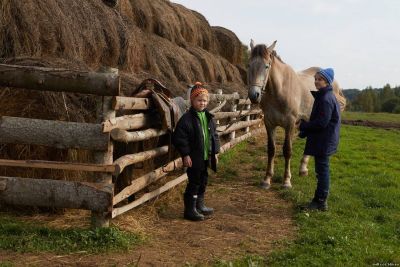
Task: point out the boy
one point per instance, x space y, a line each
196 140
322 132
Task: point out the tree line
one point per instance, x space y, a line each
386 99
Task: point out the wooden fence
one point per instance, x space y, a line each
100 196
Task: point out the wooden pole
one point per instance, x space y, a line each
236 126
41 164
58 134
129 122
219 101
131 103
224 115
233 109
147 179
60 80
130 159
125 136
55 193
146 197
104 107
248 107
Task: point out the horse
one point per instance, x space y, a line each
285 98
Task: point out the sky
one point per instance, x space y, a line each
359 39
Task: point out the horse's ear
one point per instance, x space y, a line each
272 47
251 44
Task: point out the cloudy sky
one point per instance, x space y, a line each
360 39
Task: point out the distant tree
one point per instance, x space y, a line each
391 105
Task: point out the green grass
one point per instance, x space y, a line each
25 237
362 226
380 117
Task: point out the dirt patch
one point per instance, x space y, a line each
247 220
373 124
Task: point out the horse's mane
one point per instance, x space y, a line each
261 50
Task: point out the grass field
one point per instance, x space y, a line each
362 226
379 117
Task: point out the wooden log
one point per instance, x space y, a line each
131 103
55 193
41 164
129 122
226 129
148 196
125 136
147 179
232 134
244 102
56 134
60 80
222 97
224 115
248 107
130 159
104 112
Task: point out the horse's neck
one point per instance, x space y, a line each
282 79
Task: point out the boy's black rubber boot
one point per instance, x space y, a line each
201 207
315 204
190 212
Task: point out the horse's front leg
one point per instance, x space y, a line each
287 153
303 165
266 183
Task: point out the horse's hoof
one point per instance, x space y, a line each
265 185
287 185
303 173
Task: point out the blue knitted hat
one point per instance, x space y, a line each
328 74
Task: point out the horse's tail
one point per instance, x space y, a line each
338 92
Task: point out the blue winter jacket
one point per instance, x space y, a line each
322 130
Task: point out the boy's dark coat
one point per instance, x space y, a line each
188 139
322 130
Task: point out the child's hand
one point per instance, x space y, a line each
187 161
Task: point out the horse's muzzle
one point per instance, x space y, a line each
254 94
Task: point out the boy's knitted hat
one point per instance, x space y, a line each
328 74
197 90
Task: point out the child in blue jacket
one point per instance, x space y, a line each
322 132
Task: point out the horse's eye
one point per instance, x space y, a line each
267 66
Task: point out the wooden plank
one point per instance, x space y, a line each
42 164
131 103
226 129
237 140
60 80
224 115
130 159
148 196
125 136
222 97
56 193
129 122
58 134
147 179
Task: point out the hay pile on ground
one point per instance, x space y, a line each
142 38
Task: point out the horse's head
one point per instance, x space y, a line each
260 64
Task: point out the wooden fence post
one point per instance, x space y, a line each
232 135
219 92
104 112
248 107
